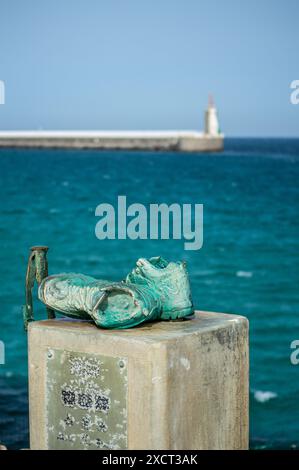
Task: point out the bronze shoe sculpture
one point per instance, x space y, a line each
169 281
154 290
108 304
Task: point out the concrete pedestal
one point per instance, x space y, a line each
165 385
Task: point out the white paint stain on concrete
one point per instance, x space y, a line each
185 362
156 379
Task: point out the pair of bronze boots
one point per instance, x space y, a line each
154 290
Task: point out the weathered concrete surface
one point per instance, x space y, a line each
185 141
187 380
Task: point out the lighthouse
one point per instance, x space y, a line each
211 119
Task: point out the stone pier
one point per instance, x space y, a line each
165 385
175 141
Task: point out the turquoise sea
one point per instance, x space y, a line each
248 264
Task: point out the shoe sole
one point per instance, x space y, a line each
177 314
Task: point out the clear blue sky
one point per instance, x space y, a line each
149 64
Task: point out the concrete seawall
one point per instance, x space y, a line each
184 141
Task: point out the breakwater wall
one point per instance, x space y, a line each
183 141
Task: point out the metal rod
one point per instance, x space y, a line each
37 270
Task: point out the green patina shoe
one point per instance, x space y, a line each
169 281
108 304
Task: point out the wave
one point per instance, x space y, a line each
244 274
263 396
